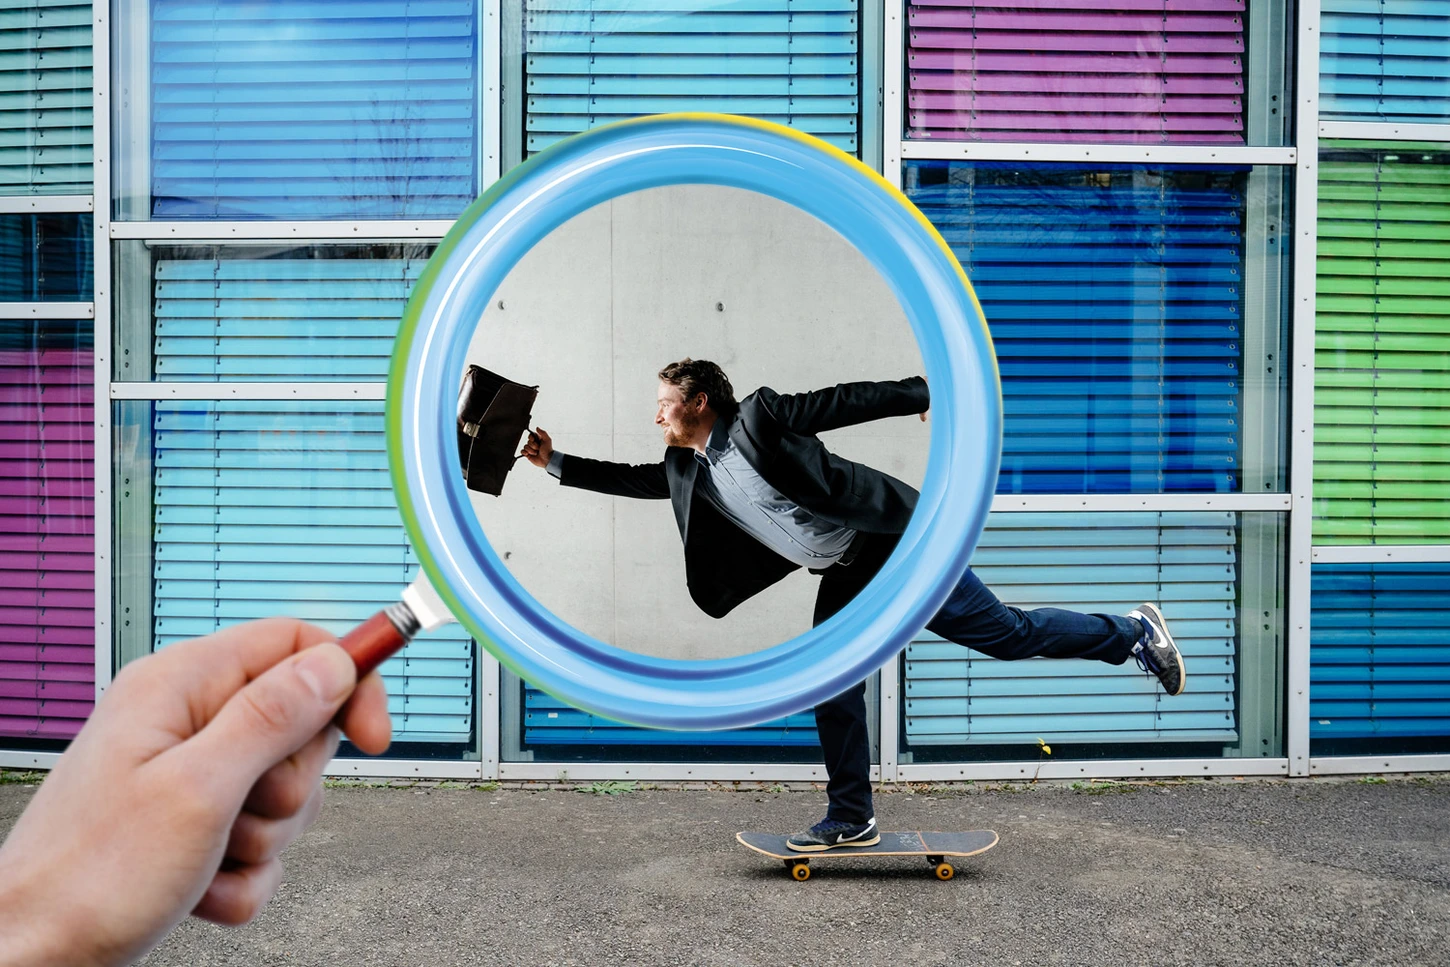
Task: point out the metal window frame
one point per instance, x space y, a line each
44 204
1383 131
47 310
1381 554
1301 387
101 212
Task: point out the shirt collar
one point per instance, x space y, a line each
718 445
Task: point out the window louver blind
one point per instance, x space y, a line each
1114 301
1104 563
312 109
47 529
1382 345
45 98
1380 652
1169 71
548 721
795 62
267 508
279 319
1384 60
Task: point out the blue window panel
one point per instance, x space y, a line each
46 258
317 319
265 508
1115 300
313 109
1379 657
1385 60
1107 563
794 62
548 721
45 98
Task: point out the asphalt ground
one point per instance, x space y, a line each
1320 871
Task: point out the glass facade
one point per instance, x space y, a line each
1117 179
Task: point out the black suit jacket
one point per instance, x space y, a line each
776 433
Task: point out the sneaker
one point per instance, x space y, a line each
830 833
1155 652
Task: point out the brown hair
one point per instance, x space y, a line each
702 376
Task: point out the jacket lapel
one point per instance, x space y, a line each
680 469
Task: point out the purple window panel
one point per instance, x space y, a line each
1140 71
47 542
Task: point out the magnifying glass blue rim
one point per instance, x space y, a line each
459 282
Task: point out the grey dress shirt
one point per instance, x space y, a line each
737 490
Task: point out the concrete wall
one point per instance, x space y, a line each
592 313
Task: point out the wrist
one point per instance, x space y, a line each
32 936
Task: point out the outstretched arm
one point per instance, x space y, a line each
847 404
644 480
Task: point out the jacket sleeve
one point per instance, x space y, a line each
847 404
644 480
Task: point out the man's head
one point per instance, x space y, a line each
692 394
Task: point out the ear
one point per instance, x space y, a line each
701 401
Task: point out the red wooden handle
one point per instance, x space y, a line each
372 643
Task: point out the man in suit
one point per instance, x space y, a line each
756 495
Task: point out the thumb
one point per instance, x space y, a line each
276 714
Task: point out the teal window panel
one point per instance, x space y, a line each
338 109
45 98
1385 60
1379 657
321 319
1106 563
794 62
274 507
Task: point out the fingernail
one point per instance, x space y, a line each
327 671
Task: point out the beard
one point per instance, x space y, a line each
682 436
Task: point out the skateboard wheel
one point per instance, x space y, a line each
944 871
800 871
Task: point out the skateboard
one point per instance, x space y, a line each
936 847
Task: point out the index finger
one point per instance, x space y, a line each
208 671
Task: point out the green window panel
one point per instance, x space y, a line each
45 98
1382 345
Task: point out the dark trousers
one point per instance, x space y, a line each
972 616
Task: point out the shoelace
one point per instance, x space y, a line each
1141 655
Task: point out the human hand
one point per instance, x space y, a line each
197 767
538 448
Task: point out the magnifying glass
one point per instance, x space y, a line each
463 578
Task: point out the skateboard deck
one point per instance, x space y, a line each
936 847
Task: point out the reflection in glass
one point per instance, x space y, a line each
1116 298
47 528
46 258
